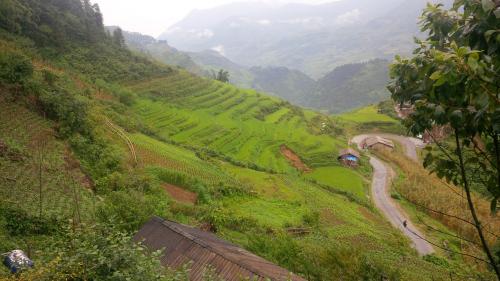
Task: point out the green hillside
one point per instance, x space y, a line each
91 134
238 124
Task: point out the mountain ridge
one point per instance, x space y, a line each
300 39
290 84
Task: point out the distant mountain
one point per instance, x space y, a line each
292 85
159 50
212 61
343 89
311 38
352 86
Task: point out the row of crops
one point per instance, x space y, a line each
20 124
56 188
242 124
155 153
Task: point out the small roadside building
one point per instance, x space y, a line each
349 157
202 250
377 143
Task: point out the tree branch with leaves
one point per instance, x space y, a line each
452 80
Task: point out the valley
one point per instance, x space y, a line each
347 87
103 131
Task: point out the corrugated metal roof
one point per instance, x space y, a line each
183 244
369 142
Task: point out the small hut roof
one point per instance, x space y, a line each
349 151
371 141
183 244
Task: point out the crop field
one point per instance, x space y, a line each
343 178
367 115
241 124
30 139
155 153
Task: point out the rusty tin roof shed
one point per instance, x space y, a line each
183 244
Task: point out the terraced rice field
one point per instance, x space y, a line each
155 153
366 115
241 124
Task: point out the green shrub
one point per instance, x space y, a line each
97 157
15 68
128 210
66 108
97 253
20 223
436 260
311 218
395 196
49 77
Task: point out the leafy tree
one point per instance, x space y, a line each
118 37
222 75
11 13
453 80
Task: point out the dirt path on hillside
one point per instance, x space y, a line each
294 159
382 199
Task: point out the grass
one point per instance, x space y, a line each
28 135
240 124
339 177
367 115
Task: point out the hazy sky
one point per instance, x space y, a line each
155 16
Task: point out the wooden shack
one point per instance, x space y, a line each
203 250
377 143
349 157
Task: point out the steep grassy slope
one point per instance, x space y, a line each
29 143
191 123
371 119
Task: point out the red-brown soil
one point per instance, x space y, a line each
180 195
294 159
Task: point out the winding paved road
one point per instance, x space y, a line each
380 191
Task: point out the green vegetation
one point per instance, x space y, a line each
226 122
343 178
368 114
90 134
342 89
371 119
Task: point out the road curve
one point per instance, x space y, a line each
383 201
